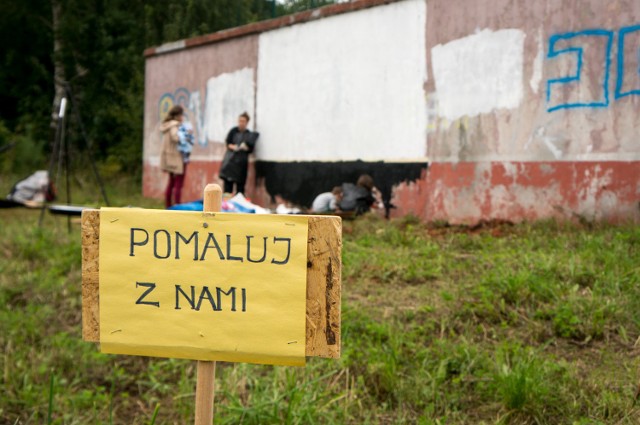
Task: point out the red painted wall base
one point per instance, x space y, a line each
469 192
199 174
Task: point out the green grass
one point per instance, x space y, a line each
526 324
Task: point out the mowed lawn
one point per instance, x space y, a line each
524 324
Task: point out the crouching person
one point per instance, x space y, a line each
328 201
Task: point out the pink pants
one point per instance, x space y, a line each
174 188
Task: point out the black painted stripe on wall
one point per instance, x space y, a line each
300 182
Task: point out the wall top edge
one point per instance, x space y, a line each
264 26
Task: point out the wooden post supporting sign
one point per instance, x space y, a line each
205 386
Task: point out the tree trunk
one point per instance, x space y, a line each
58 67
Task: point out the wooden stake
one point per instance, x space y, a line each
205 386
212 198
205 390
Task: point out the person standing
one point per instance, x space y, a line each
171 160
240 143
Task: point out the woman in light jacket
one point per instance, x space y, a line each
170 158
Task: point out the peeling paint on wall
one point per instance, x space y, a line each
479 73
536 76
468 192
228 95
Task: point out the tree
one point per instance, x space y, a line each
96 47
58 65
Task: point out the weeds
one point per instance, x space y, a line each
512 324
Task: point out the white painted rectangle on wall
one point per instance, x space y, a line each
228 95
479 73
346 87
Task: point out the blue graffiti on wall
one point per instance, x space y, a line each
190 101
624 34
576 41
579 51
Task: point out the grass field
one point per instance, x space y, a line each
526 324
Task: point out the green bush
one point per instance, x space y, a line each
26 155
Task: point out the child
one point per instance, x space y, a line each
185 141
328 201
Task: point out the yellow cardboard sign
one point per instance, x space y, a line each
203 286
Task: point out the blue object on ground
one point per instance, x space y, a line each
242 208
189 206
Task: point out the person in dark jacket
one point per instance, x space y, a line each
359 197
240 143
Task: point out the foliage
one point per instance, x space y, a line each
24 153
102 46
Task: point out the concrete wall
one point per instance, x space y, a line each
534 109
522 110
